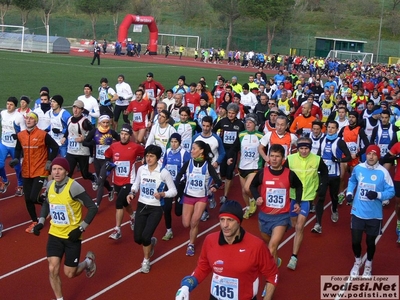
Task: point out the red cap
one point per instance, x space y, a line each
375 149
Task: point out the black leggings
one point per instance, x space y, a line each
146 221
32 188
333 183
83 162
356 236
167 208
118 109
102 182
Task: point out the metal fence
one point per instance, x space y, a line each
244 38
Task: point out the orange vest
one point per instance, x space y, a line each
285 141
35 153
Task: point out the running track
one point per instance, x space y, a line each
24 274
23 265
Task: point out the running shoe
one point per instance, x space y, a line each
253 206
367 272
145 267
317 228
132 222
91 160
355 271
211 201
1 230
4 186
292 263
95 186
169 235
335 217
312 208
91 268
385 202
204 216
190 250
278 262
30 228
398 231
153 244
246 214
19 192
116 235
222 199
111 194
341 198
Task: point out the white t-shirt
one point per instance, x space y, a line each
123 90
11 123
92 106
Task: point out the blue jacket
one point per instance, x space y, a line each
366 178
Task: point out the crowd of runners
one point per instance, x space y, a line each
158 152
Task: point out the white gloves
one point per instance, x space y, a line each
182 293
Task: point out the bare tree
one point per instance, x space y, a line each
4 6
26 6
93 8
230 10
269 11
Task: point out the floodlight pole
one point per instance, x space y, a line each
380 33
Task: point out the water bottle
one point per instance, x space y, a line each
211 200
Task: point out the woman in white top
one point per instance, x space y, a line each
150 181
161 132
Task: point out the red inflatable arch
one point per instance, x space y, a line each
147 20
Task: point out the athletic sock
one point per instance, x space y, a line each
358 260
62 298
132 216
368 263
398 224
294 255
169 230
146 260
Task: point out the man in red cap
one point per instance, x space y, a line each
235 257
64 198
369 185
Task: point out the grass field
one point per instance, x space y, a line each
26 73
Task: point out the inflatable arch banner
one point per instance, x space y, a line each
146 20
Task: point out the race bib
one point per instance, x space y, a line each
59 214
326 112
73 144
186 144
197 181
137 117
100 149
249 152
364 188
122 169
331 166
276 198
150 92
229 137
147 189
224 288
191 107
6 138
173 170
384 149
352 147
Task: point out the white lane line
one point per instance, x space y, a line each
151 263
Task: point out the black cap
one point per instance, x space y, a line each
25 98
233 209
149 74
59 99
127 128
182 77
204 96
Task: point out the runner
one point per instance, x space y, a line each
150 181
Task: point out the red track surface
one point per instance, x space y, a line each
24 274
23 266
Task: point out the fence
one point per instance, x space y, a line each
210 37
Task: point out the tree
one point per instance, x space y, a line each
47 7
26 6
230 10
115 7
4 6
93 8
269 11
